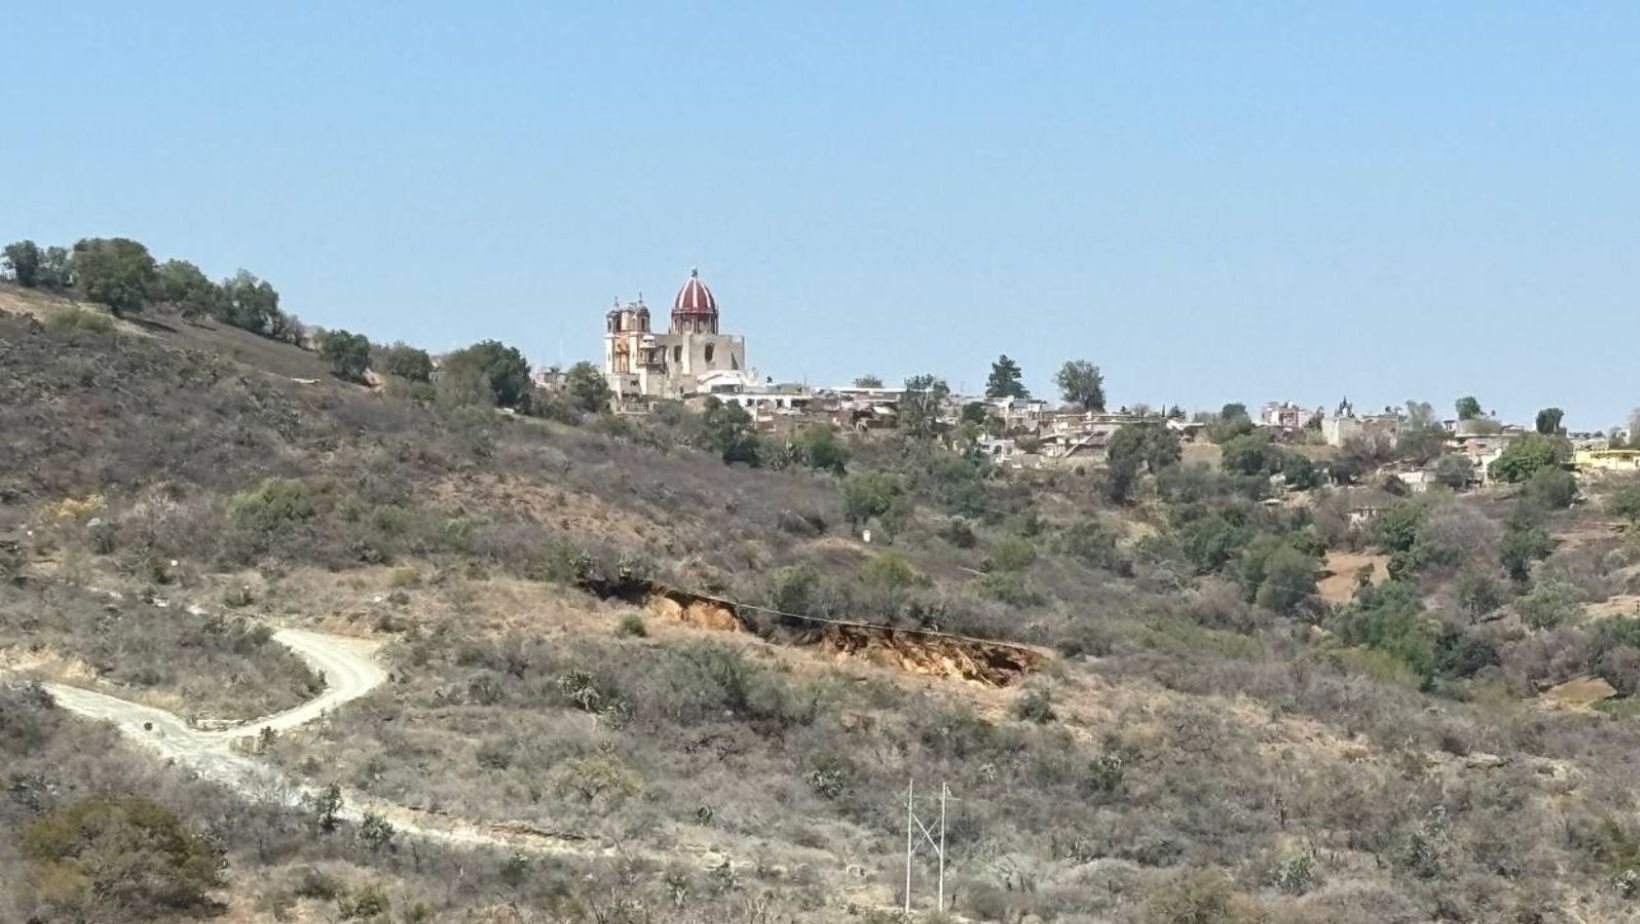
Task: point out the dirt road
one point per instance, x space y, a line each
350 670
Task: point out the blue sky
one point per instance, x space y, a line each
1212 201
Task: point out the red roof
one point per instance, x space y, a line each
694 297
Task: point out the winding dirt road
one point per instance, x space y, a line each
350 670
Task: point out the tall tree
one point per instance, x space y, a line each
183 286
1548 420
116 271
1081 382
868 381
23 259
348 354
407 362
249 303
1005 380
1421 438
1468 407
587 388
56 269
921 404
501 365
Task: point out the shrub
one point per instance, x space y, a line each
1011 553
272 505
888 570
1036 705
1479 593
603 781
957 532
1091 542
1201 896
75 319
1549 603
868 496
112 858
631 625
368 902
1298 873
1526 456
1625 502
1554 488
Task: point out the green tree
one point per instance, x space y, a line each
184 287
1523 458
819 448
1134 449
1548 421
250 304
727 430
1454 471
1080 382
868 381
1005 380
1552 486
1468 407
1288 580
1231 422
56 269
407 362
1250 454
1422 437
502 366
587 388
117 272
121 859
23 260
921 404
348 354
868 496
1300 473
1550 603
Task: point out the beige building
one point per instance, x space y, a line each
638 362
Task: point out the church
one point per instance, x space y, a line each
640 363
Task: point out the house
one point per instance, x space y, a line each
1606 461
1285 416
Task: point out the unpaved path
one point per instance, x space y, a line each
350 670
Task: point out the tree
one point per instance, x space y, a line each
117 272
1250 454
1454 471
727 430
183 286
502 366
868 496
1522 458
23 259
868 381
1080 382
250 304
1288 580
407 362
1004 381
1422 437
56 269
819 448
921 404
1232 421
587 389
348 354
121 859
1468 407
1300 473
1548 421
1133 449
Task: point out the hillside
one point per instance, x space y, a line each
664 688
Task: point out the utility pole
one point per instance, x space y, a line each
912 825
910 818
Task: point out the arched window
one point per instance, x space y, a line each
708 352
677 354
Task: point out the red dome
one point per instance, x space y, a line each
694 297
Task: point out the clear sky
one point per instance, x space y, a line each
1214 201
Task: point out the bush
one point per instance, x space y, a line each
1625 502
1092 543
1011 553
1554 488
888 570
112 858
1550 603
631 625
957 532
272 505
1036 705
1526 456
77 320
